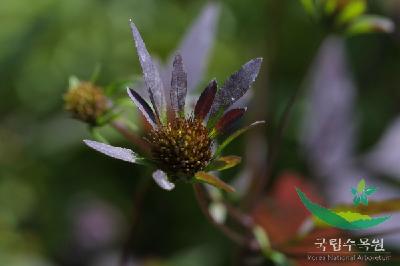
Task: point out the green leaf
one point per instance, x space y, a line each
353 191
370 24
213 180
236 134
352 10
223 163
361 186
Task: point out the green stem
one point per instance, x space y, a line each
202 200
94 131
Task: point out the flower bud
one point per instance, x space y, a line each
86 102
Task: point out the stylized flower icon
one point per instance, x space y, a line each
361 193
183 146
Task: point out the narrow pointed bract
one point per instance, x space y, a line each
236 86
151 75
223 163
178 86
143 106
162 180
114 152
229 118
236 134
213 180
205 100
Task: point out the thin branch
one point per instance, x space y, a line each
277 142
130 136
242 218
203 204
138 198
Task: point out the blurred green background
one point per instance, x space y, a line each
62 204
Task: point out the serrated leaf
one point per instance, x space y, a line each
370 190
114 152
235 87
233 136
213 180
162 180
151 75
205 100
143 106
228 119
178 86
361 186
370 24
223 163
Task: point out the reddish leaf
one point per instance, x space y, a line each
205 100
213 180
224 162
229 118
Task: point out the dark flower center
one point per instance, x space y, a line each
181 148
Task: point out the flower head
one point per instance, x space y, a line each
183 144
86 102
